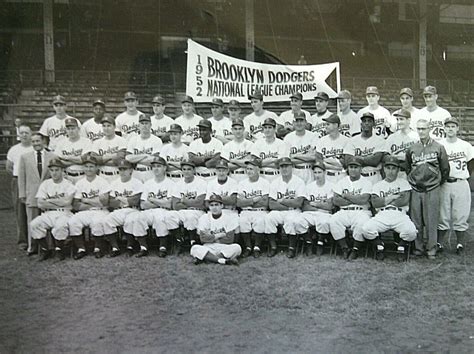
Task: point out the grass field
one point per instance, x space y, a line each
279 305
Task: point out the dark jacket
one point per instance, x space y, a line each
427 165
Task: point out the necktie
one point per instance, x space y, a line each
39 162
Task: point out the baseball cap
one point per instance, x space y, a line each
89 158
367 115
372 89
344 94
130 95
175 128
108 119
187 163
333 118
222 164
238 121
124 164
217 102
319 164
299 116
322 95
159 161
187 99
255 161
451 120
98 101
391 160
297 95
406 91
256 95
215 198
234 104
158 99
403 113
205 124
269 121
353 161
59 99
71 122
55 162
284 161
144 118
430 90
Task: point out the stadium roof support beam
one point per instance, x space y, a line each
48 41
422 44
249 30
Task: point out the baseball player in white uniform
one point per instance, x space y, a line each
455 198
90 203
92 128
237 151
188 201
109 149
270 149
254 121
216 231
175 152
302 144
224 186
330 149
142 148
54 127
368 149
352 196
317 209
390 198
252 199
234 110
406 99
221 125
205 152
318 125
70 150
156 202
188 120
160 122
384 122
435 114
55 200
350 122
286 197
286 117
127 122
124 199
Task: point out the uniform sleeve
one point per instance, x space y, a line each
284 150
404 185
382 146
338 187
366 187
44 128
349 148
138 187
104 187
145 192
42 193
176 191
70 189
231 223
203 223
469 152
273 191
300 189
78 193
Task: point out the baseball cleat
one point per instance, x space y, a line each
232 262
60 254
142 253
79 255
459 249
247 251
272 252
291 253
256 253
354 254
114 253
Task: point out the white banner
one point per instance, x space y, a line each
214 75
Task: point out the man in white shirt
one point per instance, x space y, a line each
384 122
433 113
188 120
175 152
406 99
318 125
160 122
233 108
221 125
254 121
286 118
92 128
350 122
127 122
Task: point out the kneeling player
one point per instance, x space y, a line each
216 231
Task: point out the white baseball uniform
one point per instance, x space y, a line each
253 123
221 127
92 130
93 217
415 115
127 124
350 123
136 145
398 143
332 150
190 127
202 149
224 190
383 120
318 218
54 128
105 147
253 218
66 148
287 118
302 145
234 150
160 125
436 119
274 150
318 125
189 217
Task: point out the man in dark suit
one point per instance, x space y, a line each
33 169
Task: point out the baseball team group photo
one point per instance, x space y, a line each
249 205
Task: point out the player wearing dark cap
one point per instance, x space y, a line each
350 122
160 122
127 122
435 114
92 128
189 120
318 125
406 99
221 125
175 152
296 102
384 122
233 108
254 121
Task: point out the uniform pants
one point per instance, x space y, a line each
119 217
162 220
31 213
354 219
228 251
318 219
334 179
390 220
109 178
455 205
189 218
292 221
20 213
90 218
424 212
73 179
57 221
239 177
143 175
252 220
377 177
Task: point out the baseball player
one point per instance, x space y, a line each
368 148
270 150
54 127
427 169
352 196
455 196
90 203
221 125
188 120
109 149
160 122
205 152
330 149
296 102
302 144
318 125
252 199
216 231
156 204
55 200
435 114
142 148
317 208
406 99
237 151
70 150
285 201
127 122
175 152
254 121
384 122
124 199
350 122
233 108
390 198
225 187
92 128
188 201
401 140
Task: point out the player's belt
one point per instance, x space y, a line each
109 173
96 208
75 174
200 209
302 167
452 179
238 172
160 207
369 174
174 175
254 209
126 207
228 207
391 208
352 208
210 174
320 211
59 209
270 173
142 169
329 173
